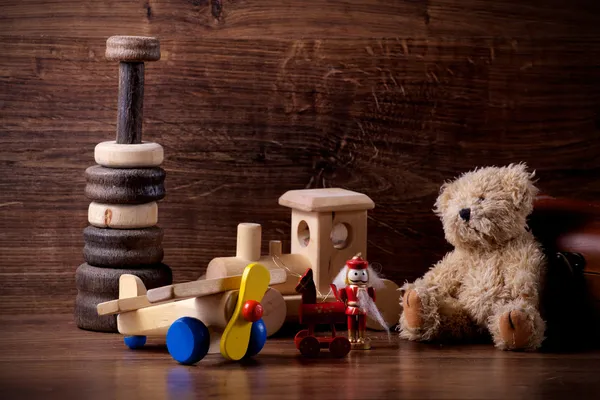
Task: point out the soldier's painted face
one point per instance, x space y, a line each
358 276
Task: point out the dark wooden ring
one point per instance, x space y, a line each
86 313
122 248
132 48
97 280
124 186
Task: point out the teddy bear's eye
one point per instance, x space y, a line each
480 199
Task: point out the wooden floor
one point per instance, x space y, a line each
48 357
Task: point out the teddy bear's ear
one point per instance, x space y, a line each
519 184
443 198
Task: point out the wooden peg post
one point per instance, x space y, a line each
131 52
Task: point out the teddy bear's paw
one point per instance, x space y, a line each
516 330
412 309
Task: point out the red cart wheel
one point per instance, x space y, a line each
309 347
339 346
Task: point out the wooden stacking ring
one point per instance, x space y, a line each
123 216
124 186
122 248
97 285
86 313
142 155
105 281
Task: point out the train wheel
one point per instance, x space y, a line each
135 342
310 347
188 340
299 336
258 337
339 347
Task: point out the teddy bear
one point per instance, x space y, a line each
490 283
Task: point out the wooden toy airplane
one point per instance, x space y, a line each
197 317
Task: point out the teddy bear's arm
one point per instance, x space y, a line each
445 277
523 274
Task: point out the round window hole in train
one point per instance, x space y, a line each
340 235
303 233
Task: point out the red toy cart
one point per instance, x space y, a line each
313 313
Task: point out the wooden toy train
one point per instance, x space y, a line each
328 227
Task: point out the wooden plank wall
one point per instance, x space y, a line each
253 98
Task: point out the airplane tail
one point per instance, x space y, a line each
130 286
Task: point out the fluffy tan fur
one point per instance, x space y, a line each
491 280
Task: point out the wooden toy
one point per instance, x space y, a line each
329 226
123 237
97 285
125 216
89 278
274 309
248 250
355 285
117 155
124 186
122 248
188 314
131 52
312 313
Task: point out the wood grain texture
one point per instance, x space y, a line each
86 315
98 285
135 155
131 103
122 248
106 280
132 49
311 19
124 185
251 99
46 357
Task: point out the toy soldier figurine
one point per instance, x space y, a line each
356 283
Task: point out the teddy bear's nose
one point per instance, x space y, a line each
465 214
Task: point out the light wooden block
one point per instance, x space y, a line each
326 253
311 238
123 216
326 200
293 265
142 155
120 306
130 286
205 287
214 310
248 241
132 296
274 311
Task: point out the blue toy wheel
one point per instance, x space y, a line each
135 342
258 337
188 340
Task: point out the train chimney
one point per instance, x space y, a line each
275 248
249 236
